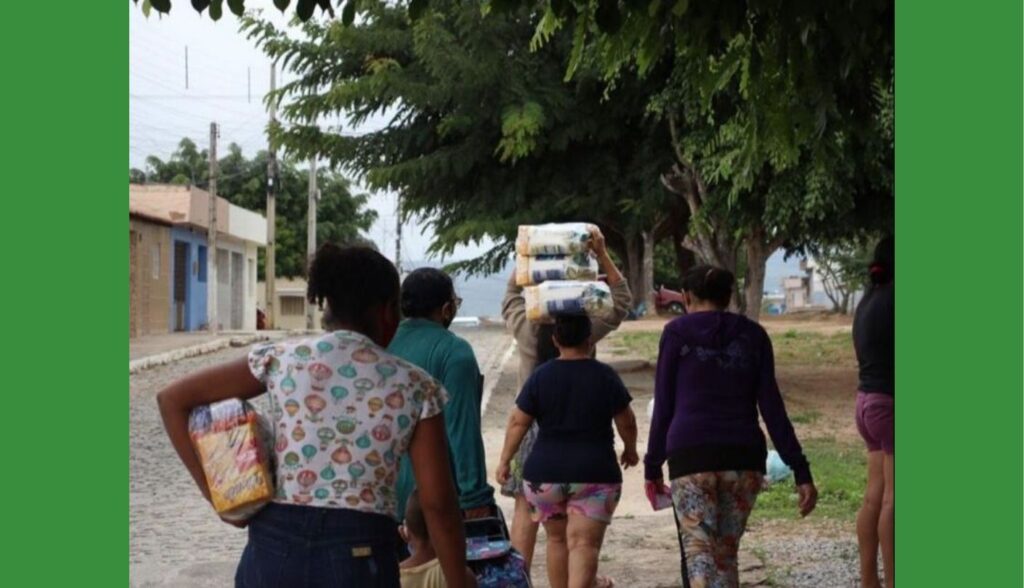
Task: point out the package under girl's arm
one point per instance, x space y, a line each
229 439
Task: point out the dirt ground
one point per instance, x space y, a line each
641 549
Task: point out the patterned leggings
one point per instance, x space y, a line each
711 511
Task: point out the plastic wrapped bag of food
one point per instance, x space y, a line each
230 439
535 270
556 297
553 239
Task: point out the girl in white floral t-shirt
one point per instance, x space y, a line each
344 411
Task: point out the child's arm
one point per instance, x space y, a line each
228 380
625 423
428 451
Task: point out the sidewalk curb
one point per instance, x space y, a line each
167 357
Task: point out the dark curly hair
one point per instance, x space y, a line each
352 279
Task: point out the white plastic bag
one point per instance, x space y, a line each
776 469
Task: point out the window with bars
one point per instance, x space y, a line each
293 306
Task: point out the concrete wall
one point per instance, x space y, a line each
236 269
246 224
195 283
149 277
251 253
295 292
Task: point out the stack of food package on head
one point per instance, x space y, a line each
230 439
559 275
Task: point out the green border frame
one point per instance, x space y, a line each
958 339
65 126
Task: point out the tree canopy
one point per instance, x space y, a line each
483 133
341 214
778 113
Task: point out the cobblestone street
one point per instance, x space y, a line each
175 539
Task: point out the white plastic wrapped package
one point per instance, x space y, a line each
553 239
535 270
230 439
556 297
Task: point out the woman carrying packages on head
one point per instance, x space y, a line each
533 343
874 338
716 369
344 411
572 479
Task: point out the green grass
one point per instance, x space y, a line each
791 347
839 471
805 418
802 348
643 344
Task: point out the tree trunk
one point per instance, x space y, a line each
647 294
758 251
634 266
685 258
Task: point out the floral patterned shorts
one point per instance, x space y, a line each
711 511
556 501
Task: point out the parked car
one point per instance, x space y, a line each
669 301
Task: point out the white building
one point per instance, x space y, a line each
240 234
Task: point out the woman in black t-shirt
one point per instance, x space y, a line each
572 477
874 339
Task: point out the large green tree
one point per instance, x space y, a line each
341 213
483 133
774 107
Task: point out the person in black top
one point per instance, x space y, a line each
572 477
874 341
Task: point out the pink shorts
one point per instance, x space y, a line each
557 501
876 421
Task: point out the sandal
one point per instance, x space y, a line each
604 582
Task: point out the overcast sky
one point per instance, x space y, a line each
227 79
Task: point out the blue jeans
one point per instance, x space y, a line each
308 547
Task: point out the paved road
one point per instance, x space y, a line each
174 537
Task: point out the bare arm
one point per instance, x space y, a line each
518 424
429 455
625 424
513 310
228 380
622 298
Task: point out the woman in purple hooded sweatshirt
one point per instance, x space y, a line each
716 369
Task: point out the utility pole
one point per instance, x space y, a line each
270 268
311 233
186 67
211 239
398 234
